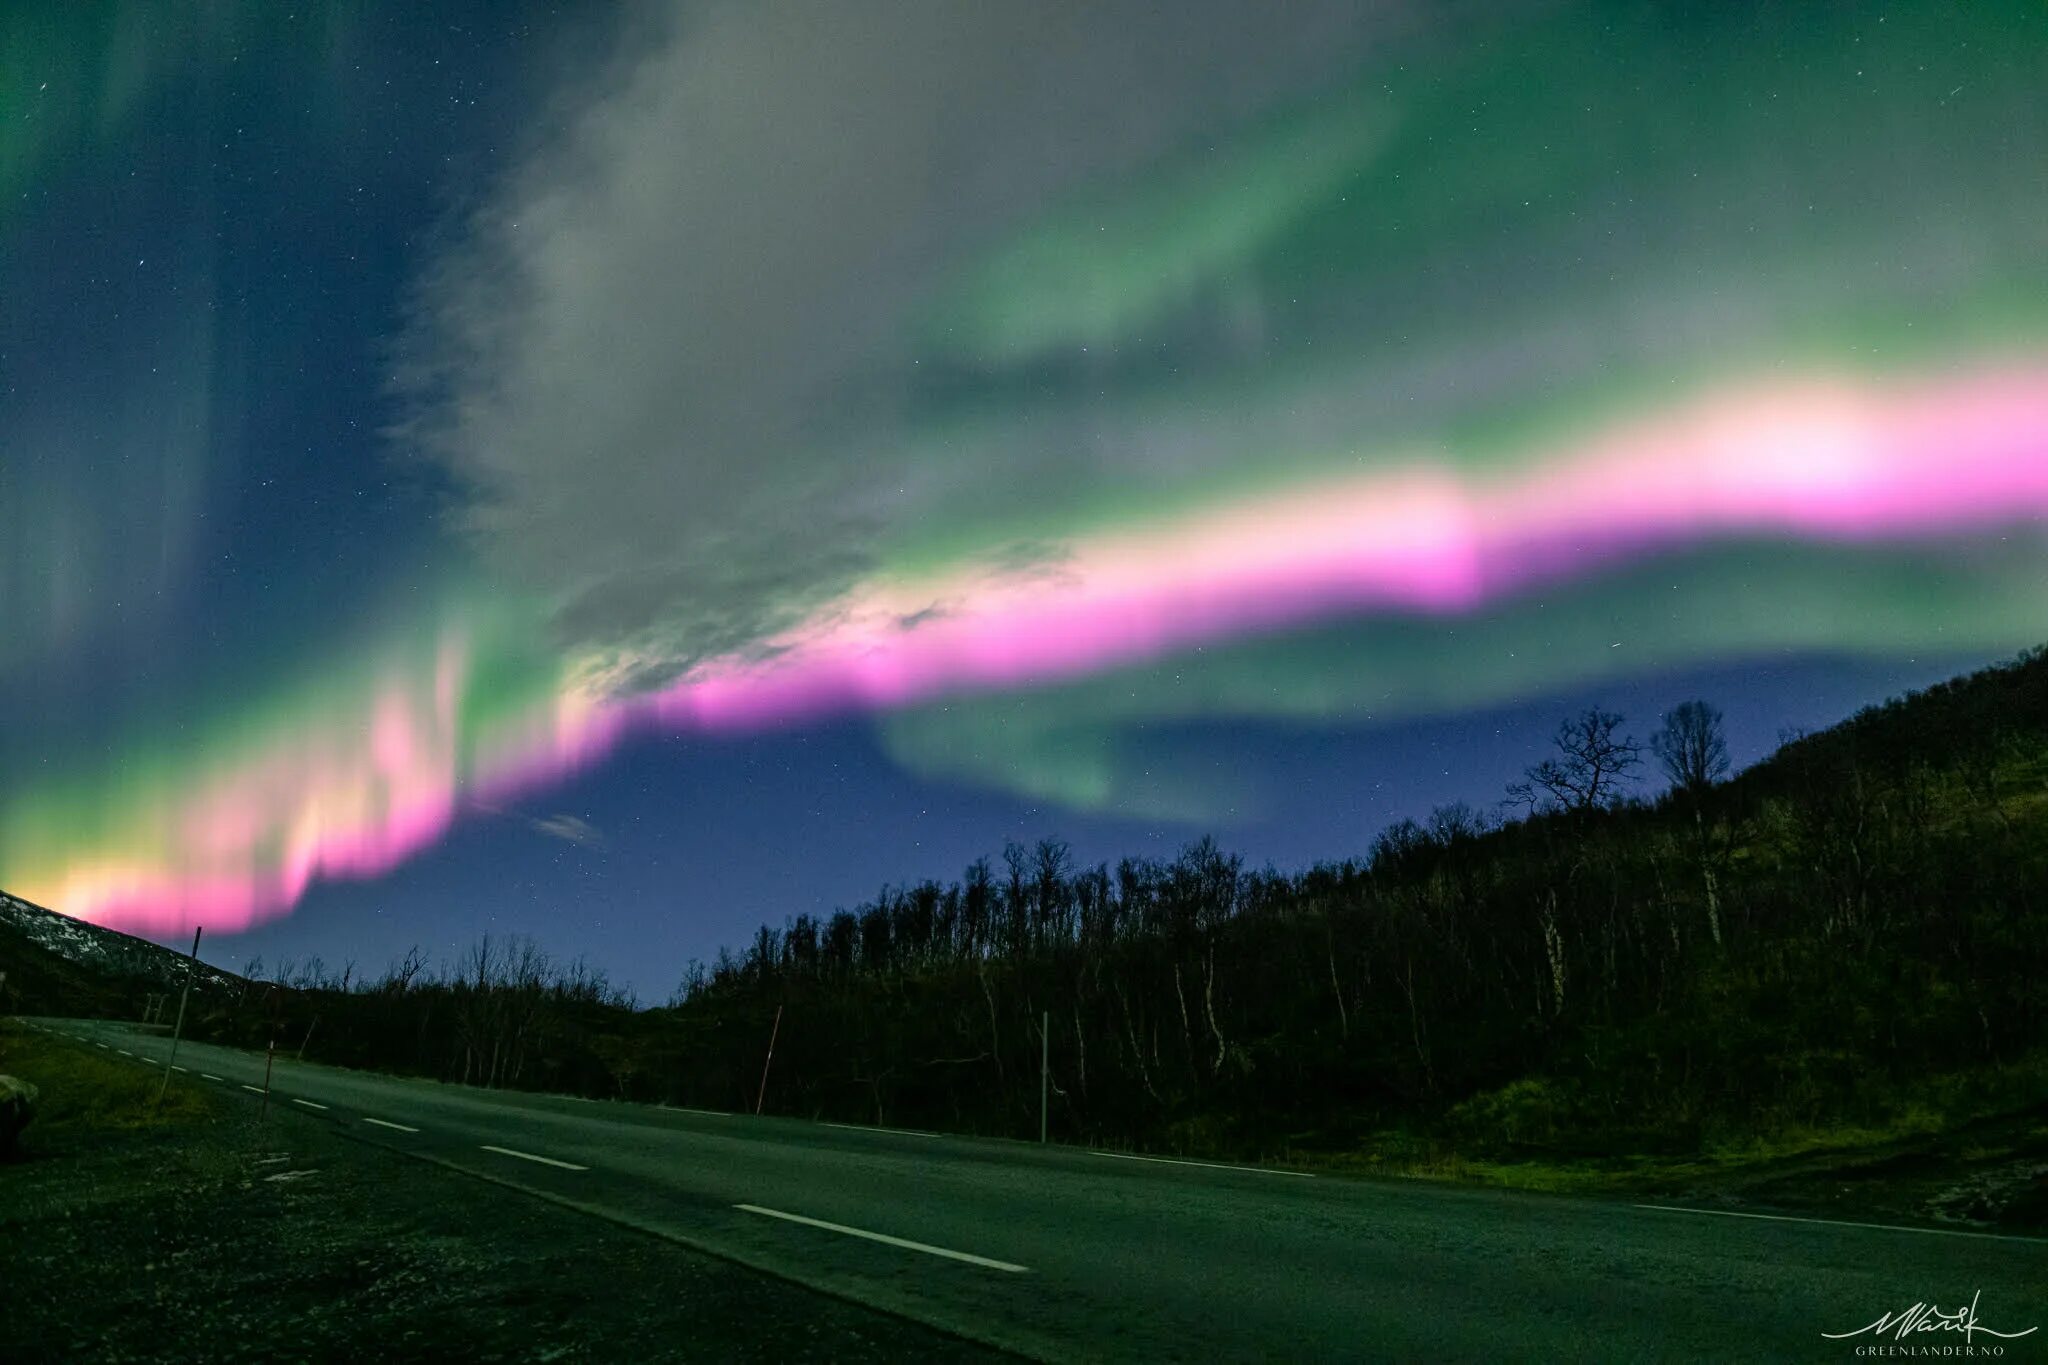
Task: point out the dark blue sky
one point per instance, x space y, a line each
219 234
202 298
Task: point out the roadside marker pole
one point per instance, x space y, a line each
179 1028
768 1061
1044 1067
263 1111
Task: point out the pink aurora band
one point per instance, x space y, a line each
1810 458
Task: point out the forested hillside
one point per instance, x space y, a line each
1850 935
1817 943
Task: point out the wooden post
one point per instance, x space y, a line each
179 1027
1044 1068
270 1056
768 1061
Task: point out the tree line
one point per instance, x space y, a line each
1797 946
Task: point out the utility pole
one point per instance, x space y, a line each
179 1027
769 1061
1044 1067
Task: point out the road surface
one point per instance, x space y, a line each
1065 1254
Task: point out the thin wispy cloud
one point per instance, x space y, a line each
568 828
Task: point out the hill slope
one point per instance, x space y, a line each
58 965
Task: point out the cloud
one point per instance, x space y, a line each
569 828
795 299
671 358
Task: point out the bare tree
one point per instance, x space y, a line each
1692 747
1052 865
695 979
1593 757
399 978
1457 822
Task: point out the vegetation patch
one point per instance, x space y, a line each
86 1093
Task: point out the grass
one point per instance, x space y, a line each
84 1091
1970 1146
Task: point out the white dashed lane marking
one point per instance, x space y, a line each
385 1123
885 1239
309 1104
253 1089
529 1156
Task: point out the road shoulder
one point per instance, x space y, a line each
206 1234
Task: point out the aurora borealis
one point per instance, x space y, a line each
981 377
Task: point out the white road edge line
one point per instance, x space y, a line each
208 1076
875 1128
1212 1165
1843 1223
384 1123
886 1239
309 1104
529 1156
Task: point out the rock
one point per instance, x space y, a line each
17 1107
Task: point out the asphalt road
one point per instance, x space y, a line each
1067 1254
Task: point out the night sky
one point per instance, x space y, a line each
624 477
